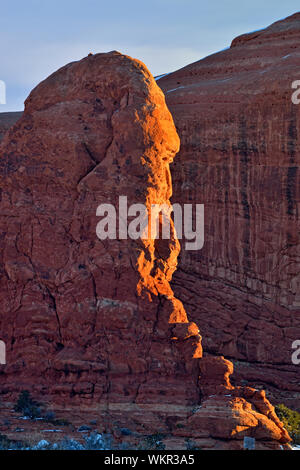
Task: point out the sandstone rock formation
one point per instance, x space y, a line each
239 157
93 325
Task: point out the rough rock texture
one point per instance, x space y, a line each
7 120
239 156
93 324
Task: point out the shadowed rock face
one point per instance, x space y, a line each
239 156
87 321
7 120
93 325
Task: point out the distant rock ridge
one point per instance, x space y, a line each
283 30
93 326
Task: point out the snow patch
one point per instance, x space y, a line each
161 76
51 430
173 89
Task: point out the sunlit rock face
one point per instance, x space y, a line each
92 326
239 156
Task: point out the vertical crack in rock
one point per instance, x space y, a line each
54 307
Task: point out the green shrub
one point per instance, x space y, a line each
291 421
152 442
27 406
8 444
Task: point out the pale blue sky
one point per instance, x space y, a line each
39 36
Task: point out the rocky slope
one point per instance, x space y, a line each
239 156
92 326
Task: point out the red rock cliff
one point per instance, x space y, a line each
239 156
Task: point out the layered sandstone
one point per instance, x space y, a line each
239 157
92 326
